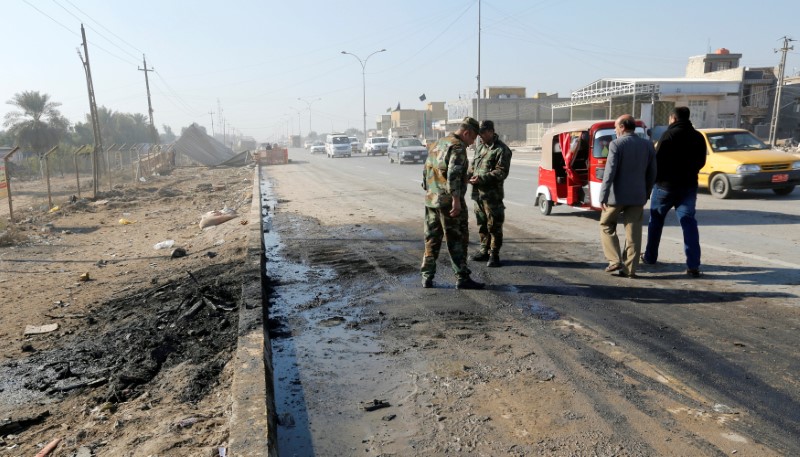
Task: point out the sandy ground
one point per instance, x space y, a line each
137 362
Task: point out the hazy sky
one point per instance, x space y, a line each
258 57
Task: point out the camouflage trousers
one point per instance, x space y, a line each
455 230
490 216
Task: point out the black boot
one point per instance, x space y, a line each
480 256
469 283
494 260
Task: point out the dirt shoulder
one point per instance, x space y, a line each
138 363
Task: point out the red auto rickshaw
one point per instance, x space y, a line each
572 164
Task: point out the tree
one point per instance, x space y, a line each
168 136
38 125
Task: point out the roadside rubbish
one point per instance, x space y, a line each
51 446
376 404
217 217
178 252
39 329
54 209
124 221
84 277
164 244
211 254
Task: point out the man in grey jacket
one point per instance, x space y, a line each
628 179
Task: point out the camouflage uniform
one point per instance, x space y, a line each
444 176
491 164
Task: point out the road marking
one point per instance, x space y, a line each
739 253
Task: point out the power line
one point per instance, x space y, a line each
94 30
74 33
105 28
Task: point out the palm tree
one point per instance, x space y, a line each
39 125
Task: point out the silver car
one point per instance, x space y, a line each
376 145
405 150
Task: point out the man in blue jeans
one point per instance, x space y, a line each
680 155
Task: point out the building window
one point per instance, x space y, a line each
698 112
722 66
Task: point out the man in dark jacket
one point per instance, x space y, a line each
629 176
680 155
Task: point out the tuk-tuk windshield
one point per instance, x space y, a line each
604 137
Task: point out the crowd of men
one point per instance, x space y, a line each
635 172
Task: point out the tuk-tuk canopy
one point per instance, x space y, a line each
573 126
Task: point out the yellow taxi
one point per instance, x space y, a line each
738 160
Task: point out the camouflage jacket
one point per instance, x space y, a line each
491 164
445 172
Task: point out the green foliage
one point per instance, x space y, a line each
39 124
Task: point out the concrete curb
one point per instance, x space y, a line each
253 424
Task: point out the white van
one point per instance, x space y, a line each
338 145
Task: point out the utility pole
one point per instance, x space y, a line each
308 103
98 141
153 131
212 123
776 108
364 84
221 119
478 102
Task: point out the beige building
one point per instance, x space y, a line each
412 122
510 109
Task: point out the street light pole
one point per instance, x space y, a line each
308 103
364 84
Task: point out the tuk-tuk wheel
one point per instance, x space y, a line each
545 205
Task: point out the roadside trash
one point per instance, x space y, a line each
84 277
211 254
39 329
164 244
188 422
217 217
178 252
54 209
219 242
124 221
51 446
376 404
388 417
222 452
243 222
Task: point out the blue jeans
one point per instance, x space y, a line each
683 200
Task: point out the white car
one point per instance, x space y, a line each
355 145
317 147
376 145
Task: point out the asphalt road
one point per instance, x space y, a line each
659 365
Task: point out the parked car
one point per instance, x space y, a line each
307 144
338 145
317 147
355 145
738 160
407 150
376 145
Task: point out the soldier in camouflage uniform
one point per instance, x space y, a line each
487 172
445 182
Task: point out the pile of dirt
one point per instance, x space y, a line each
114 346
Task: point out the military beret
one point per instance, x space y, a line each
487 125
